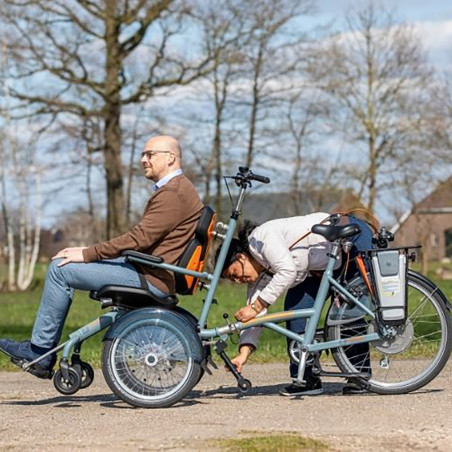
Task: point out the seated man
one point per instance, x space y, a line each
168 223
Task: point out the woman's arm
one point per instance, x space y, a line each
269 248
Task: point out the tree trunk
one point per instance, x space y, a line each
116 214
255 104
253 118
131 170
295 183
33 234
372 175
217 157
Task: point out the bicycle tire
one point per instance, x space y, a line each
152 358
421 314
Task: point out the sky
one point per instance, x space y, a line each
411 10
432 18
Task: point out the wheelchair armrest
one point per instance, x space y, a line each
130 255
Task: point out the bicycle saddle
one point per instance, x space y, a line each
332 233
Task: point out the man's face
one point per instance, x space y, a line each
155 162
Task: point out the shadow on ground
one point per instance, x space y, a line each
195 397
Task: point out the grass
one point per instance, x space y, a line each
280 442
18 310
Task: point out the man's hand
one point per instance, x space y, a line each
70 255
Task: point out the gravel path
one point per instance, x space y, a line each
34 416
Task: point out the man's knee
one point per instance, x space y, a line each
56 272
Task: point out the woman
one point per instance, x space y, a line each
271 260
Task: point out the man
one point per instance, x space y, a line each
168 224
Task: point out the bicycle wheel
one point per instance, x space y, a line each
415 356
152 358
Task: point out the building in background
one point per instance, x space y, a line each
429 224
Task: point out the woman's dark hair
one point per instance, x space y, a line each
239 245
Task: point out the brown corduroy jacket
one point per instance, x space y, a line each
168 224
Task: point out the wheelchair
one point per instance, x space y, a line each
148 337
155 352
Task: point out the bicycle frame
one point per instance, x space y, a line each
271 320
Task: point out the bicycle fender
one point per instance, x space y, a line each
431 284
164 315
186 314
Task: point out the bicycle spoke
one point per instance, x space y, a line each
151 361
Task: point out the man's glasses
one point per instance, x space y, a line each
150 154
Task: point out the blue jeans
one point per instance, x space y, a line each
59 288
303 296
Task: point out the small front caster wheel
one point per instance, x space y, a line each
67 387
87 375
244 385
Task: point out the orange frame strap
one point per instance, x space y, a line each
363 271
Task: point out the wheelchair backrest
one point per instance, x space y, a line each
194 256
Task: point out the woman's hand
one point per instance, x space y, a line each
240 360
250 311
70 255
245 314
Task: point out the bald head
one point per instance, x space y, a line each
164 143
160 157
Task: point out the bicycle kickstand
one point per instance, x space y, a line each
303 353
244 385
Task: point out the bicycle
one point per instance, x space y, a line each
155 352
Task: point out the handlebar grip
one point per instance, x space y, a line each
263 179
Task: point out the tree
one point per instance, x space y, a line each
271 57
439 120
255 58
20 190
225 32
304 111
376 76
91 60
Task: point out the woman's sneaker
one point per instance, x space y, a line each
310 388
352 387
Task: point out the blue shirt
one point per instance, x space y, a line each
164 180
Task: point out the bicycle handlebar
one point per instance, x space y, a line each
243 179
245 176
258 178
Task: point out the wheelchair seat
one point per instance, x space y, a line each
131 297
332 233
193 258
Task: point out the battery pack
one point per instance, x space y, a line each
389 274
